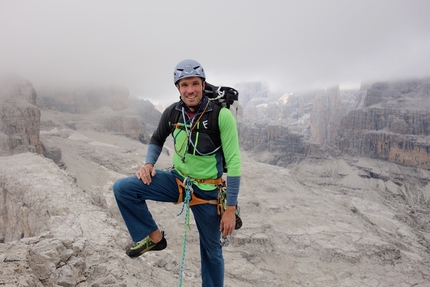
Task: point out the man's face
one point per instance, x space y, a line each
191 90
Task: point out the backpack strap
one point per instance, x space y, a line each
174 119
213 128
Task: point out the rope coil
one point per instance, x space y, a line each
188 184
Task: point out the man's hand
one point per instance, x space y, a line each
228 221
145 173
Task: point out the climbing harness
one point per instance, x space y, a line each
194 200
221 202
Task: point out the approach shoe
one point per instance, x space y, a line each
146 245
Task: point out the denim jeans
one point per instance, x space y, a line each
131 195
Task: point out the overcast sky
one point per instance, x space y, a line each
291 45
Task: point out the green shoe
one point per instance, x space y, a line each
146 245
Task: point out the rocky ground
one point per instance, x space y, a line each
324 222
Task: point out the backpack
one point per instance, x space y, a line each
222 96
225 96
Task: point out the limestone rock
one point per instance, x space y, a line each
272 144
297 125
53 235
147 111
82 99
326 115
127 123
19 117
392 125
323 221
111 107
320 222
385 120
252 91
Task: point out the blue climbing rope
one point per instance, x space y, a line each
185 206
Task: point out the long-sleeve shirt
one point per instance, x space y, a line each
192 157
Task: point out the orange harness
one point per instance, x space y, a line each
219 182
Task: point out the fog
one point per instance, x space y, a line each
291 45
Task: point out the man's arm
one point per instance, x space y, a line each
152 154
158 138
230 147
163 129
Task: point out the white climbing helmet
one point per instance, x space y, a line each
188 68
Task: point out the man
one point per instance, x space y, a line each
196 157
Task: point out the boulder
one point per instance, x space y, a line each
19 117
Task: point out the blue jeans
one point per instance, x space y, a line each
131 195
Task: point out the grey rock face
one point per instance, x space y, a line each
331 221
19 117
344 221
117 111
392 125
295 126
83 99
386 120
272 144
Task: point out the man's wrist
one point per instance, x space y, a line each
231 208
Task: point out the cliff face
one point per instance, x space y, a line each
252 91
392 124
273 144
295 125
19 117
83 99
384 120
127 123
325 117
146 110
111 108
100 109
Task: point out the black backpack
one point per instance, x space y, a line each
225 96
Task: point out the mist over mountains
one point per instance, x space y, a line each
335 188
383 120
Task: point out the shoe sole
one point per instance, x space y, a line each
157 247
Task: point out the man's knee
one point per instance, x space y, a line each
118 187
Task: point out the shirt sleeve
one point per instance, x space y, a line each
163 130
233 184
152 154
230 147
230 142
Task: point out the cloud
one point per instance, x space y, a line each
291 45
